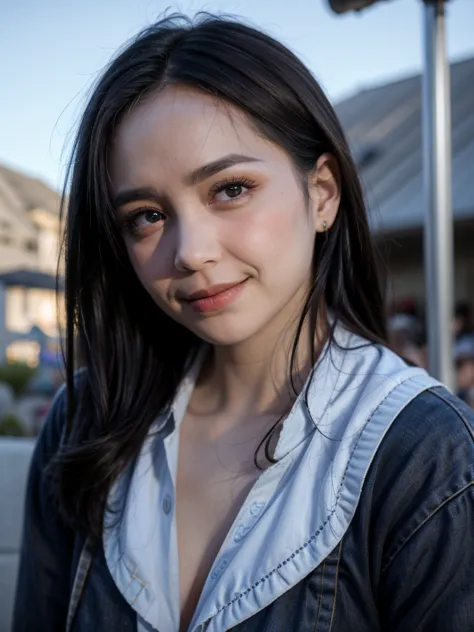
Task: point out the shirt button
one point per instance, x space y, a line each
256 508
241 532
219 569
167 504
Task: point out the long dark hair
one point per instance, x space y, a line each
135 355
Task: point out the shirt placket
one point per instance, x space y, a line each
247 518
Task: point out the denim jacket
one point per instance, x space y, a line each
404 562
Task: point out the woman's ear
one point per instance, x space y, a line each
325 192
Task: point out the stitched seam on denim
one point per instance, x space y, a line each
335 587
333 511
79 580
83 567
320 595
456 410
460 491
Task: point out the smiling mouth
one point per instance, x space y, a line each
216 297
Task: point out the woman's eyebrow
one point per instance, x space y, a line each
136 195
211 168
195 177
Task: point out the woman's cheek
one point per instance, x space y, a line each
150 260
264 232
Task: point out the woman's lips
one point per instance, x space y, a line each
216 297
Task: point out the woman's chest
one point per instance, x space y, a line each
213 479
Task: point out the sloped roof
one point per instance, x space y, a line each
384 128
32 192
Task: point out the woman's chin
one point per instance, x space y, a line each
224 334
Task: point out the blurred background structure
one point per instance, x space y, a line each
384 127
29 242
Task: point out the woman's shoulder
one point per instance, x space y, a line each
435 426
410 535
425 460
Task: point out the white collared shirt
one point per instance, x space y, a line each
296 512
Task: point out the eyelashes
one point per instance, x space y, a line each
131 222
232 185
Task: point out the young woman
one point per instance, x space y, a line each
242 451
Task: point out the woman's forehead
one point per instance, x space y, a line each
180 116
181 128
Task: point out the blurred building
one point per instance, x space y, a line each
29 242
384 128
29 223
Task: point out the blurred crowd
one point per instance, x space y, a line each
407 336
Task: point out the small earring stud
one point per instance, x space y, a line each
325 226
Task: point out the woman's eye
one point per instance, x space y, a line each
141 220
230 192
150 217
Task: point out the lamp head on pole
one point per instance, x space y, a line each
342 6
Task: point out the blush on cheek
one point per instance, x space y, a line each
281 232
266 231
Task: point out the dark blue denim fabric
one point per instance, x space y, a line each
406 563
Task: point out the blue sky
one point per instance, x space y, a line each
51 51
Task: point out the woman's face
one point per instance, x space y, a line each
214 217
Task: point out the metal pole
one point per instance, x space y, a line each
438 233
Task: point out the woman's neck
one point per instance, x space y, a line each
253 377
